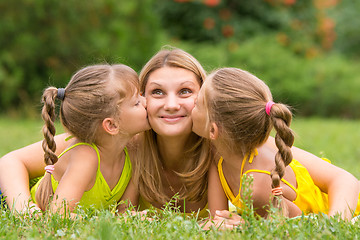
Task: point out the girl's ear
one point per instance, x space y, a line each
110 126
214 131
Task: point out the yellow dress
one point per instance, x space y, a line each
100 196
309 197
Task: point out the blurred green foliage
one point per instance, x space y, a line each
293 45
299 24
43 42
195 20
347 28
306 50
327 85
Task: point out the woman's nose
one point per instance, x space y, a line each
172 102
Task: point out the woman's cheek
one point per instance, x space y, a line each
150 106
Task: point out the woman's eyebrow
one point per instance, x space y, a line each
154 83
188 82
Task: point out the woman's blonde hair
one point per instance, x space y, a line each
196 152
93 93
236 102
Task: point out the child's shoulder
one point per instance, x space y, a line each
81 153
78 162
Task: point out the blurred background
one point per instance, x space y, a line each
307 51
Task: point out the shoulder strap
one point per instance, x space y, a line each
223 181
246 157
267 172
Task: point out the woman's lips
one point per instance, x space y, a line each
172 118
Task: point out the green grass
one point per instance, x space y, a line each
170 225
16 133
335 139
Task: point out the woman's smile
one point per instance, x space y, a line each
172 118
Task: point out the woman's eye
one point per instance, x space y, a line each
185 91
137 103
157 92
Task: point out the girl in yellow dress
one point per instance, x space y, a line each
236 111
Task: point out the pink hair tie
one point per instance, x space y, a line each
277 191
49 169
268 106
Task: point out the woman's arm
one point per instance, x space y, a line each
17 167
341 186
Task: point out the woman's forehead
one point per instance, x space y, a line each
172 75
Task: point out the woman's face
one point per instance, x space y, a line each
170 95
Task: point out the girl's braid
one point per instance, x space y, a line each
48 115
284 139
45 190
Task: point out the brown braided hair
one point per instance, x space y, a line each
281 118
93 93
236 102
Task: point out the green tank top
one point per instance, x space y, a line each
100 196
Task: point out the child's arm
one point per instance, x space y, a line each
217 199
130 197
17 167
79 176
262 196
341 186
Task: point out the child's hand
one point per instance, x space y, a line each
32 210
142 214
223 220
228 219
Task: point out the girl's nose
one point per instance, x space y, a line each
172 102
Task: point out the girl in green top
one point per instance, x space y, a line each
102 110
